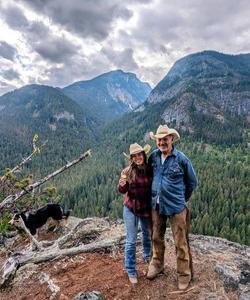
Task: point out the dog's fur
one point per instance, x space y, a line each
34 221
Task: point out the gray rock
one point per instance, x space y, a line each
245 272
89 296
235 274
11 234
229 274
210 296
244 292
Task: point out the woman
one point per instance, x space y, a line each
135 183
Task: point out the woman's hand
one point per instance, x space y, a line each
124 176
122 181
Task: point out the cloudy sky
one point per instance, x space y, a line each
58 42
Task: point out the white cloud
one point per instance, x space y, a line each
57 42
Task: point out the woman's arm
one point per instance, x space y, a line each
123 184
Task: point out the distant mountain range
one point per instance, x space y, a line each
69 124
218 80
109 95
205 94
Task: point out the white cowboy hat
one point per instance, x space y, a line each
162 131
136 148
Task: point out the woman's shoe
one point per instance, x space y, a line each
133 280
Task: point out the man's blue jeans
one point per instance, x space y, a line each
131 222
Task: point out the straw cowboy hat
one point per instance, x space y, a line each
162 131
136 148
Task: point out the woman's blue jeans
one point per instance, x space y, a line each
131 222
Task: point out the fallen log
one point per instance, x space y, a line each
20 259
50 250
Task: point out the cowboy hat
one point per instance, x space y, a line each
136 148
162 131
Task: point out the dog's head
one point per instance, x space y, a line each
16 220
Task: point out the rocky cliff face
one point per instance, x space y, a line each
109 95
221 270
208 83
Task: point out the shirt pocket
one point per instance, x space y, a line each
175 172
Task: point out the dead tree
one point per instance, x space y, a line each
105 239
48 250
11 199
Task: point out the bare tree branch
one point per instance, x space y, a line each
26 159
34 241
14 197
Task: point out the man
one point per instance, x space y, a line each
174 180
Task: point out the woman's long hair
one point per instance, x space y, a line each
135 171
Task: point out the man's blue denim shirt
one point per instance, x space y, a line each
173 181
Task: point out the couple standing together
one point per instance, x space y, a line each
155 190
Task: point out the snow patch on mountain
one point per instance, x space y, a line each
65 115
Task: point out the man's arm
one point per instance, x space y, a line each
190 179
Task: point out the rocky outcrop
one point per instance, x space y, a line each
232 262
221 269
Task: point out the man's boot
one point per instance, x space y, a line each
154 269
180 228
183 282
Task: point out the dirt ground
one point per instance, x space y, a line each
64 278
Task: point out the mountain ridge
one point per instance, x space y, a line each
49 113
202 87
109 95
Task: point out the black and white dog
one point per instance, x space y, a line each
34 221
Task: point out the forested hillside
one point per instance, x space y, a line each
49 113
204 97
214 131
220 205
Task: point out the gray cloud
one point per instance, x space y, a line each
120 59
10 74
37 31
193 23
14 17
89 19
55 49
162 32
7 51
75 70
40 38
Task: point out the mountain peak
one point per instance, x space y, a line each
109 95
206 87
